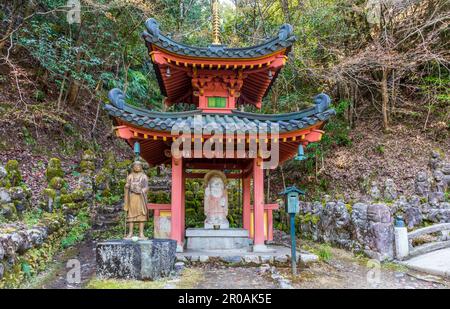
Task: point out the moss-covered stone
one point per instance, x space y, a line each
78 195
13 177
54 169
49 192
87 166
56 183
8 211
65 199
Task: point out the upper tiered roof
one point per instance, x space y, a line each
184 72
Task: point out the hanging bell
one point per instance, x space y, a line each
168 74
301 154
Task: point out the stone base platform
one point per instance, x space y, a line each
141 260
277 255
222 239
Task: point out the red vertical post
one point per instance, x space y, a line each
183 204
270 224
176 201
246 202
258 207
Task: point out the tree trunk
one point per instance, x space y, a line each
385 99
74 86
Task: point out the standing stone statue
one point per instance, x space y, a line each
216 200
374 192
136 189
422 184
390 190
435 160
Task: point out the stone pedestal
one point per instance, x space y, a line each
222 239
141 260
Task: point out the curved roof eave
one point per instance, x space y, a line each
283 40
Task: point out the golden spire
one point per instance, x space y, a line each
215 22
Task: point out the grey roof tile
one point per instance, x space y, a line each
284 39
237 120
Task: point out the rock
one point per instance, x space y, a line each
253 259
8 211
203 258
281 259
438 215
18 193
400 205
231 259
308 258
36 237
414 201
181 258
266 259
390 190
413 217
179 267
2 252
264 268
5 197
124 259
194 258
2 270
3 172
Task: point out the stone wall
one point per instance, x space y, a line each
30 233
367 226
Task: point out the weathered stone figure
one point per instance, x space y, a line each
435 160
422 184
216 200
136 189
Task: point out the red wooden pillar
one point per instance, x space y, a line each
246 211
258 208
176 228
183 204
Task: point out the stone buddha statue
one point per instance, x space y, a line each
216 200
135 205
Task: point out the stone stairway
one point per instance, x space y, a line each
106 217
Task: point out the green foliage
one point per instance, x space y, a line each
324 252
32 217
78 229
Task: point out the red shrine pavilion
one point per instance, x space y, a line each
217 79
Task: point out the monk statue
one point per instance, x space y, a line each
136 189
216 200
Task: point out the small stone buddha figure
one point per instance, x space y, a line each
136 189
216 200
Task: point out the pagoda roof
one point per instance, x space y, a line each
256 67
283 40
165 121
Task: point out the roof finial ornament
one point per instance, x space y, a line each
215 22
